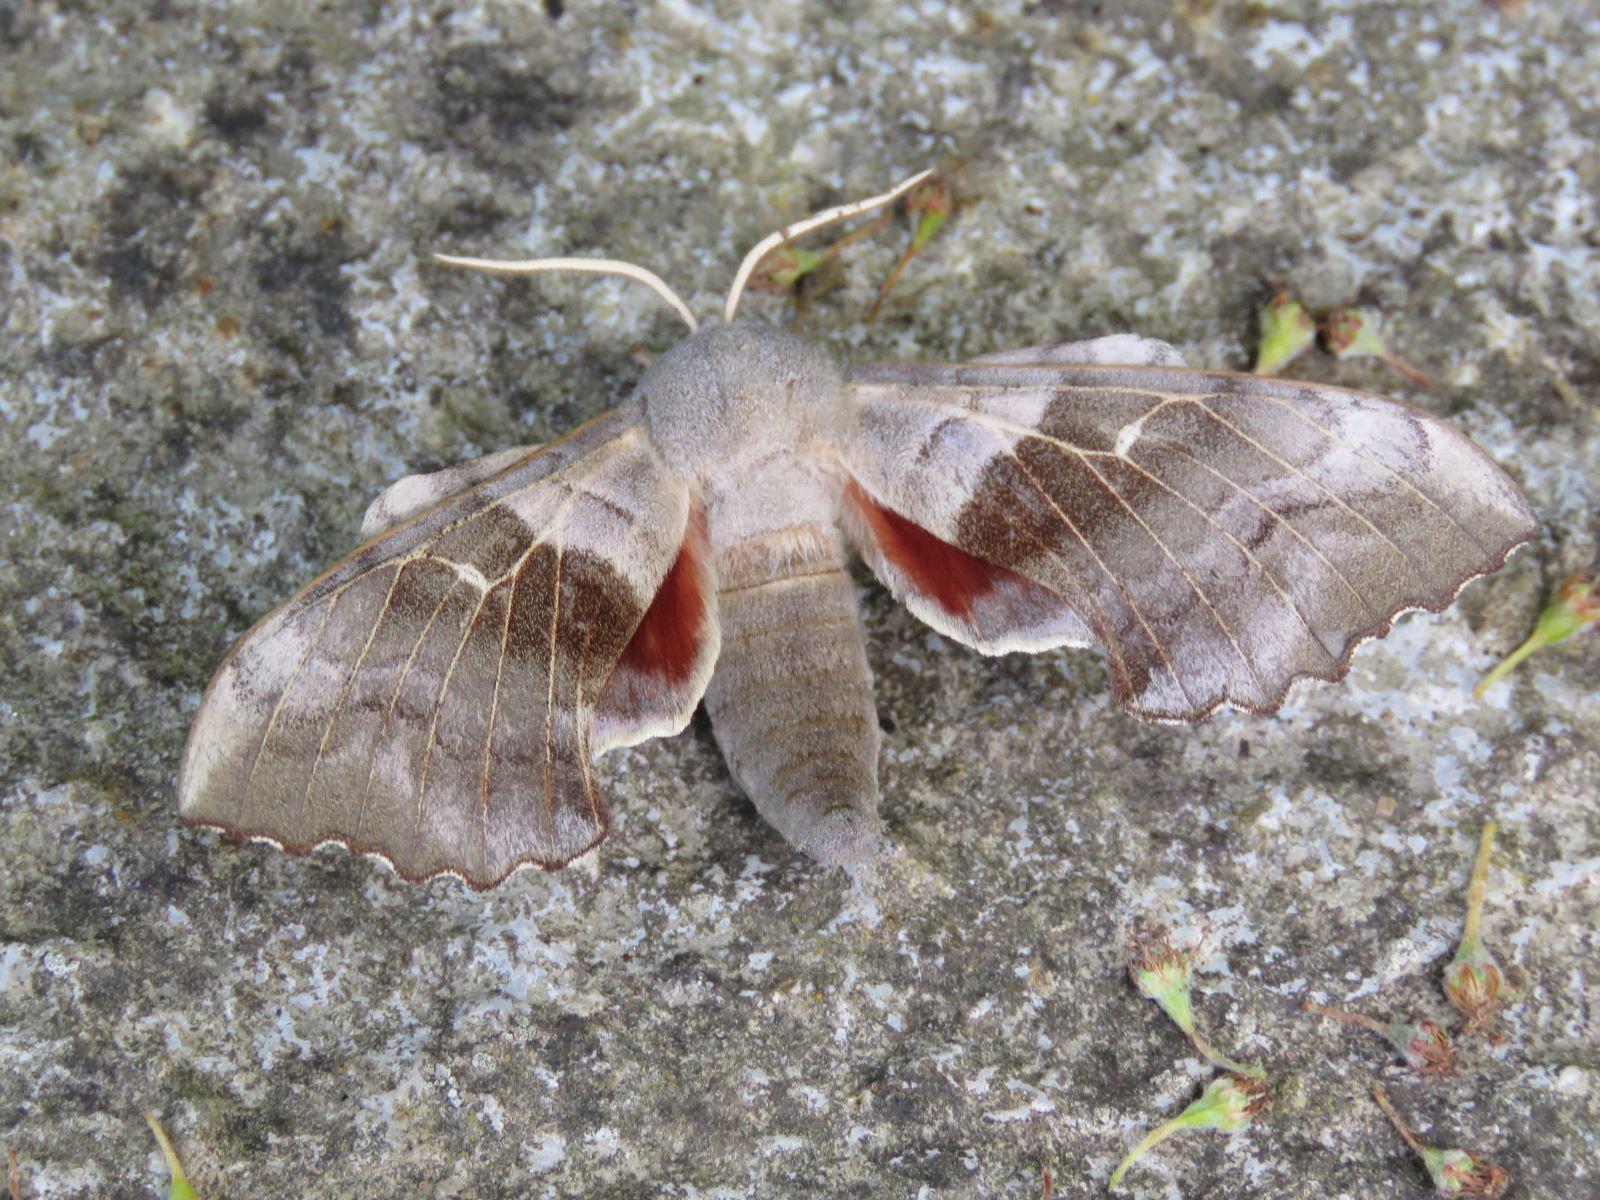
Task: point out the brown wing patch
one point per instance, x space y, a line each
1222 535
428 701
973 599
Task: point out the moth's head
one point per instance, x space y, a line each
733 389
729 391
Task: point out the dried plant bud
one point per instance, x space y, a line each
1424 1046
1457 1173
1575 606
1160 972
1163 974
1286 331
180 1188
1454 1172
1229 1103
1350 333
1473 980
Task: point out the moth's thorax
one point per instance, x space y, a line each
731 393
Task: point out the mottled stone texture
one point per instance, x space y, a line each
222 334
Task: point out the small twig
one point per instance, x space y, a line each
1348 1017
1382 1098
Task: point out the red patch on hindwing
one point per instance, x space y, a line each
945 574
669 638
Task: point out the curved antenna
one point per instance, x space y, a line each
588 266
800 228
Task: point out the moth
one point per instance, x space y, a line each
436 698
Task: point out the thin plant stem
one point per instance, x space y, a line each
1479 884
1159 1134
1348 1017
1406 369
1379 1095
1505 666
1222 1060
888 284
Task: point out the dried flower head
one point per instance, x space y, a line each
1163 973
1457 1173
1229 1103
1351 333
1473 980
1154 965
1454 1172
1424 1045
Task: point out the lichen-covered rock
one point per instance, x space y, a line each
222 334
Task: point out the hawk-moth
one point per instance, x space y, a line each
436 698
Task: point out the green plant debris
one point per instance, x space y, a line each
1163 974
1473 980
1574 606
1424 1046
1454 1172
180 1187
786 266
1229 1103
1350 333
1286 331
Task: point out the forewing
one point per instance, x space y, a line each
429 699
1221 535
415 494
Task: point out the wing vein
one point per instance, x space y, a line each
555 523
1321 487
1023 431
344 689
1266 571
272 721
1194 584
1281 519
388 712
1133 605
494 713
550 699
1382 466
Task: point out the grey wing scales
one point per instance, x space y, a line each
429 699
1221 535
406 498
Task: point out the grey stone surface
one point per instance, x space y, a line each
222 335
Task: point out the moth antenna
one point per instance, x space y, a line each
588 266
799 229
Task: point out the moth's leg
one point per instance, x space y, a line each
407 497
791 699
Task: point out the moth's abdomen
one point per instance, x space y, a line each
791 698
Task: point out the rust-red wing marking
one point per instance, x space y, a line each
944 574
668 641
659 678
